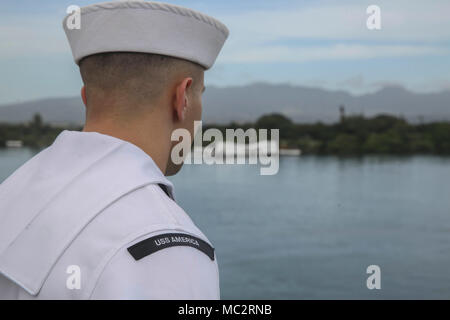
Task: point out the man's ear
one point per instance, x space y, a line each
181 98
83 95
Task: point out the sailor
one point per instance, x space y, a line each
93 216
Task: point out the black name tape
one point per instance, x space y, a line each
166 240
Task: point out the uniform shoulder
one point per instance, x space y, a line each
119 241
164 264
167 257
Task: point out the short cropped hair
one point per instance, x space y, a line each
138 76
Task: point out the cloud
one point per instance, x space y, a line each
410 29
401 20
355 82
31 35
272 53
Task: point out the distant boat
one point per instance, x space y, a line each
250 149
14 143
290 152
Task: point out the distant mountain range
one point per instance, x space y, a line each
247 103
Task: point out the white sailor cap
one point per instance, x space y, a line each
146 27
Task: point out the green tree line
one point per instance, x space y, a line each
35 134
357 135
352 135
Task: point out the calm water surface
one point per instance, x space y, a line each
311 230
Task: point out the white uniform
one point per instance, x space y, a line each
93 217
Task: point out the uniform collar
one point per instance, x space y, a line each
38 215
92 136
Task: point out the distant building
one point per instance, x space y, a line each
249 149
342 112
14 143
290 152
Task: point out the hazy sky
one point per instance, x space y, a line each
306 42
